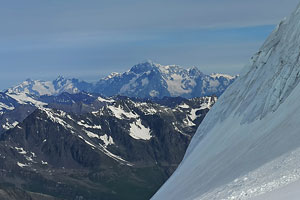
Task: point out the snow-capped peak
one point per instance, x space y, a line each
149 79
112 75
143 67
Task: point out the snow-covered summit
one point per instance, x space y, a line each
248 144
149 79
112 75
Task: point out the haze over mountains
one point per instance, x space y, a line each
249 142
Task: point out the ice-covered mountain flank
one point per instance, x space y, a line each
249 142
144 80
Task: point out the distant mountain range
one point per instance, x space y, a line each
144 80
70 139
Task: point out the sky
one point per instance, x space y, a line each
89 39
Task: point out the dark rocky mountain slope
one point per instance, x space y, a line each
89 147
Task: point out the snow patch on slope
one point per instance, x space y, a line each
139 131
56 117
7 107
107 140
82 123
22 165
8 126
107 100
119 112
23 98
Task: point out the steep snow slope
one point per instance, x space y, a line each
249 142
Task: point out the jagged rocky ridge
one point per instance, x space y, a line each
248 144
84 146
144 80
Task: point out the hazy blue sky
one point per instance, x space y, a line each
88 39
